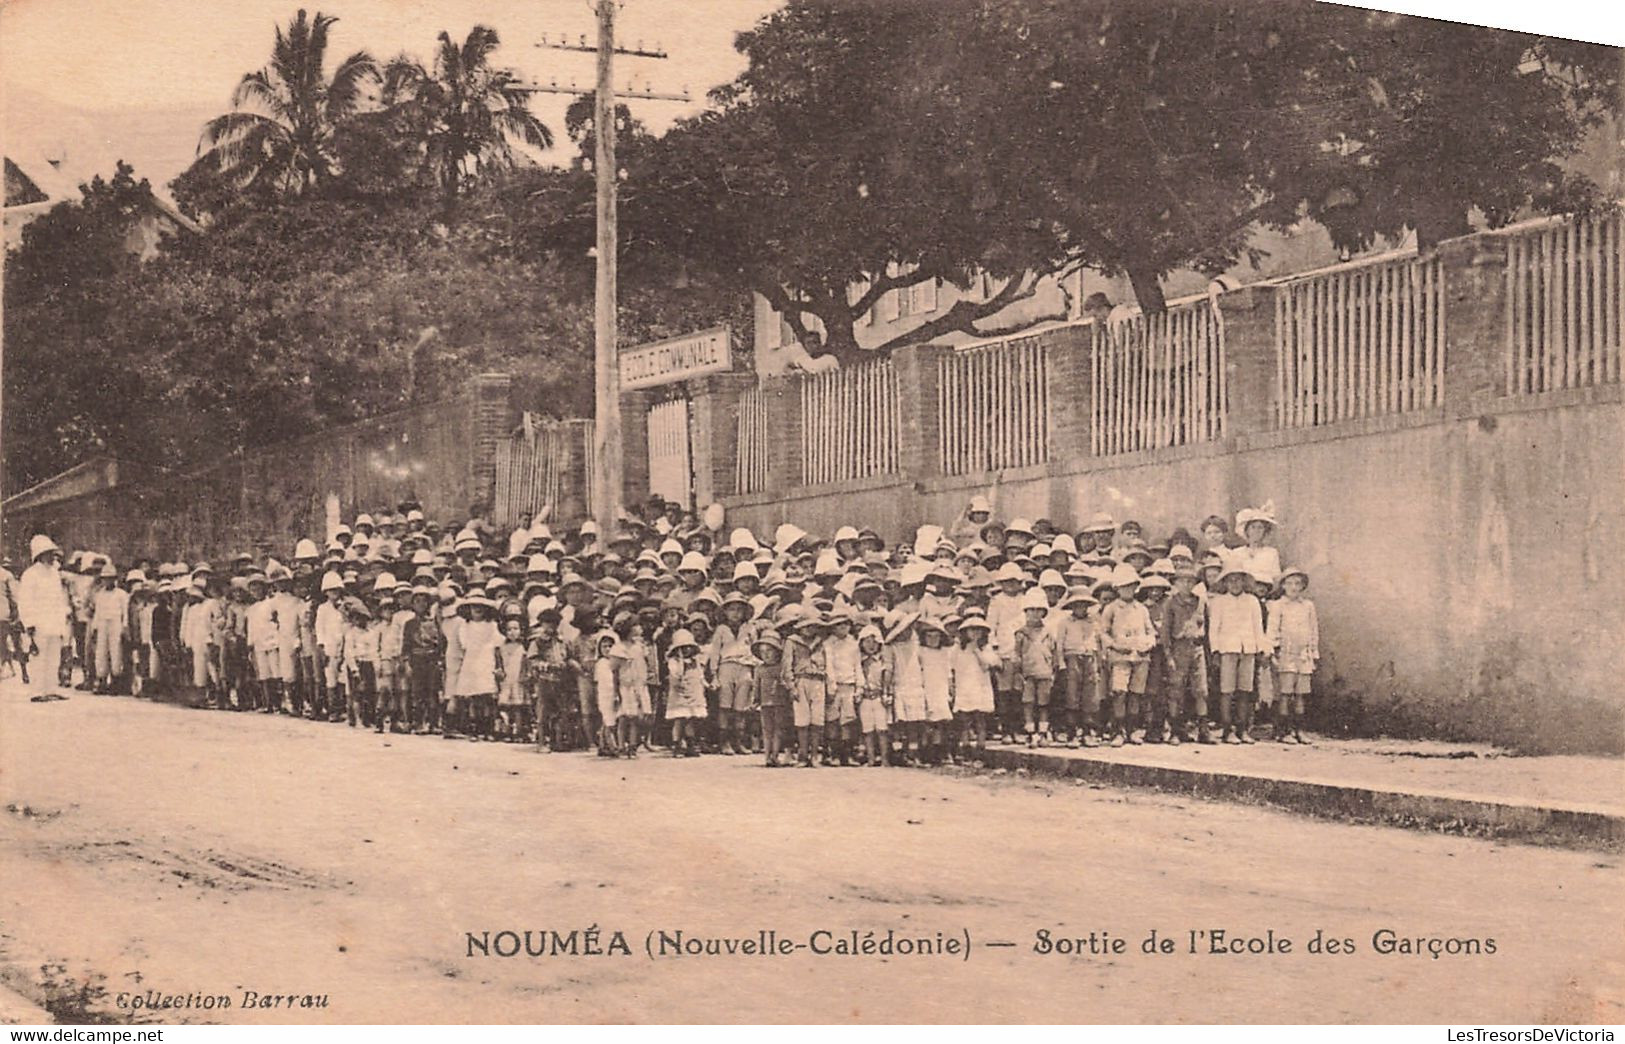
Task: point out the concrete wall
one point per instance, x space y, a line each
439 454
1467 559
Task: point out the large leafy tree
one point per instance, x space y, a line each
467 113
67 278
812 176
1160 133
282 319
279 138
872 146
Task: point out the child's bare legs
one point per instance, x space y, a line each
770 738
1244 716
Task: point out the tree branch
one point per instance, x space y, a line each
963 316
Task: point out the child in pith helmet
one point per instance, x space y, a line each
1184 626
477 672
393 668
360 662
423 653
937 680
262 645
381 626
907 683
1076 642
632 681
685 693
874 697
1154 588
1005 616
735 666
807 674
552 688
1037 658
109 628
1236 636
971 687
771 692
331 627
1294 632
843 664
1128 638
513 704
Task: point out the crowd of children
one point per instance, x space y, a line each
671 635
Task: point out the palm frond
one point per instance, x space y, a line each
482 41
259 88
402 78
448 59
346 91
226 134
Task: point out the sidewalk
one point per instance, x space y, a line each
1571 800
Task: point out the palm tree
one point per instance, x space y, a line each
466 114
280 136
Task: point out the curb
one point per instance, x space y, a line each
1533 824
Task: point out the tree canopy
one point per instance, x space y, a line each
873 146
281 320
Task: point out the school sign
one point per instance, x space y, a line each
677 358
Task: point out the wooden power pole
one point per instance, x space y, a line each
608 450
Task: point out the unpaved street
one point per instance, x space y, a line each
183 851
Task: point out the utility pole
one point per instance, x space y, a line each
608 451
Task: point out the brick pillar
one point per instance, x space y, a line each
1249 348
919 382
714 434
783 395
1069 366
494 420
1475 321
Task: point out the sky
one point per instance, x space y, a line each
158 68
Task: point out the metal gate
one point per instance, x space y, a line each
671 468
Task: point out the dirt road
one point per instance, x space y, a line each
198 855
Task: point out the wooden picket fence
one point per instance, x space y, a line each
849 423
993 406
1158 380
1563 303
1360 341
536 469
750 475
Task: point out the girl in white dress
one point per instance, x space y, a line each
973 663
